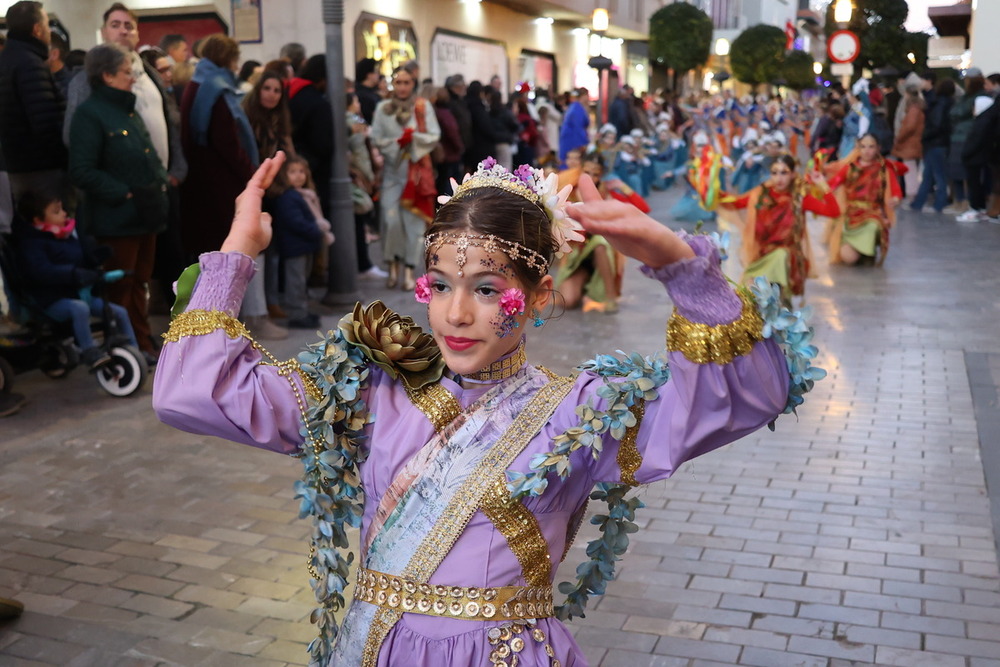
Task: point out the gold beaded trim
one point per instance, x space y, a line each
470 603
436 402
521 530
490 244
506 184
201 322
629 459
455 517
706 344
502 368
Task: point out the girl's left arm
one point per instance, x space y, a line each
726 381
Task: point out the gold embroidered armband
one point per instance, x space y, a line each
720 344
201 322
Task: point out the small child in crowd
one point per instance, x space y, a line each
56 268
300 230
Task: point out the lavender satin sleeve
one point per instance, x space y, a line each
212 384
703 406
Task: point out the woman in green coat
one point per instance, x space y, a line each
112 159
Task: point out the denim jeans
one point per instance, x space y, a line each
934 175
79 312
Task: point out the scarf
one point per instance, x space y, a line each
401 109
60 233
214 81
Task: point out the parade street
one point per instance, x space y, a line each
858 533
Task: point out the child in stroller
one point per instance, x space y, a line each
58 273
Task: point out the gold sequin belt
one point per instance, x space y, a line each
503 603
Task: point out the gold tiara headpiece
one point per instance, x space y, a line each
531 184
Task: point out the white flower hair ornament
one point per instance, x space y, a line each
533 185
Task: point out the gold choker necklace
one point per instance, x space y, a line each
501 369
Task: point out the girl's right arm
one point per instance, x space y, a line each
212 379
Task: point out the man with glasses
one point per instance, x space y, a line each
121 26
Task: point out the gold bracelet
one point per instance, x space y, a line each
720 344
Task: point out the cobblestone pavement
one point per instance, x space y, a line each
858 534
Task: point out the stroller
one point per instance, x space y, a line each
49 346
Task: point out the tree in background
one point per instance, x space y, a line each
884 40
680 37
758 54
797 70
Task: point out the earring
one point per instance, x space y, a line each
538 321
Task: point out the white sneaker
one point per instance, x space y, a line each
972 215
374 273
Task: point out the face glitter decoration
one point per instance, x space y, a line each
511 305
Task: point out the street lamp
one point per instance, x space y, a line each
817 67
722 52
842 11
342 267
600 21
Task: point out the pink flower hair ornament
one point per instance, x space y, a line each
422 290
512 302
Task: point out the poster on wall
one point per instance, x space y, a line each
247 23
475 58
390 41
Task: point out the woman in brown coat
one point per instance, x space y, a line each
907 146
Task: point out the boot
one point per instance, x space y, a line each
263 328
408 280
393 278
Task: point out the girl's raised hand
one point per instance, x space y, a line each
627 229
250 232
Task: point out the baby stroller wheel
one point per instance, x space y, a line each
125 373
6 376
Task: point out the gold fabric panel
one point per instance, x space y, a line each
436 402
521 530
705 344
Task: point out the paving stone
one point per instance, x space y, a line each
157 606
43 650
762 657
835 648
141 583
891 655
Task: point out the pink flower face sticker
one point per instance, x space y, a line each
512 302
422 290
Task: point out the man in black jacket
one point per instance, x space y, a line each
365 82
31 107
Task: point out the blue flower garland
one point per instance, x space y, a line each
642 377
330 489
626 382
791 331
